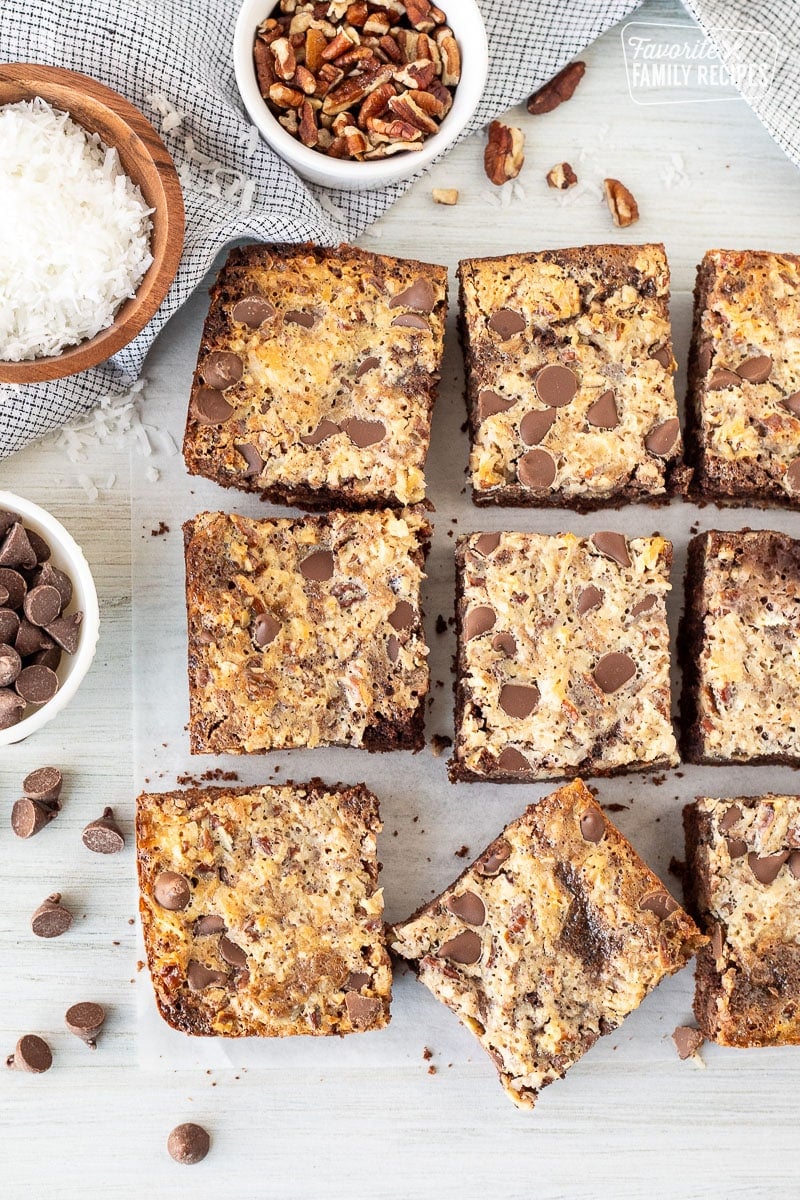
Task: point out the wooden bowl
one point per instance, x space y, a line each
145 160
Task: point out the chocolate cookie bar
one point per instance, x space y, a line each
739 646
569 377
551 938
316 376
563 656
306 632
743 885
261 911
743 403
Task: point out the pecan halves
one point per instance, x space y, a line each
504 153
621 203
557 90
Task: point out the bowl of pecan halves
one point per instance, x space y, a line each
360 93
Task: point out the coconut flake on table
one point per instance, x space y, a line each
75 234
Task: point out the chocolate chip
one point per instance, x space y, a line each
536 470
402 615
318 566
42 605
717 946
362 1010
29 817
104 835
171 891
555 385
15 585
490 403
16 550
468 908
519 700
463 948
36 684
9 626
3 596
612 545
730 817
591 597
222 370
792 403
47 658
38 545
603 413
323 431
593 826
231 953
368 364
766 869
50 576
505 643
188 1144
662 438
31 1054
296 317
687 1041
736 847
199 976
479 621
419 296
10 665
254 463
357 980
364 433
662 355
660 903
535 425
493 857
204 926
51 918
506 322
644 605
613 671
252 311
30 639
755 369
486 543
45 783
512 762
411 321
794 863
210 407
393 648
723 378
792 477
7 519
85 1020
12 707
265 629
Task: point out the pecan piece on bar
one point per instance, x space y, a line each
503 156
621 203
557 90
561 176
445 195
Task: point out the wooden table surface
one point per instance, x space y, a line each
629 1122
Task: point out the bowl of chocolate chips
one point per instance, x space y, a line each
49 617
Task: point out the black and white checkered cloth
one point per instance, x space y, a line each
181 51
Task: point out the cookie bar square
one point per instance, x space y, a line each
316 376
742 883
739 646
551 938
261 911
743 403
563 656
306 632
569 377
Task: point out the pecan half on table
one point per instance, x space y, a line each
504 153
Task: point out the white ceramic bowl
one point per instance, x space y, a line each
463 17
67 555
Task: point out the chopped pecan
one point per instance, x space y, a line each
263 60
304 79
354 89
356 14
315 44
419 14
338 46
377 23
560 88
393 131
445 195
375 104
389 148
418 74
327 77
621 203
309 134
503 156
404 108
391 48
285 97
285 60
429 103
561 176
357 56
451 60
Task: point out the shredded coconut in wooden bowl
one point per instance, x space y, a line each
74 234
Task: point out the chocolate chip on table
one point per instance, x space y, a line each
171 891
32 1054
104 835
29 817
45 783
766 869
85 1020
612 545
593 826
10 666
12 707
468 907
613 671
464 948
688 1041
188 1144
37 684
51 918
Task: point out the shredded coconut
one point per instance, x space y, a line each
74 235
